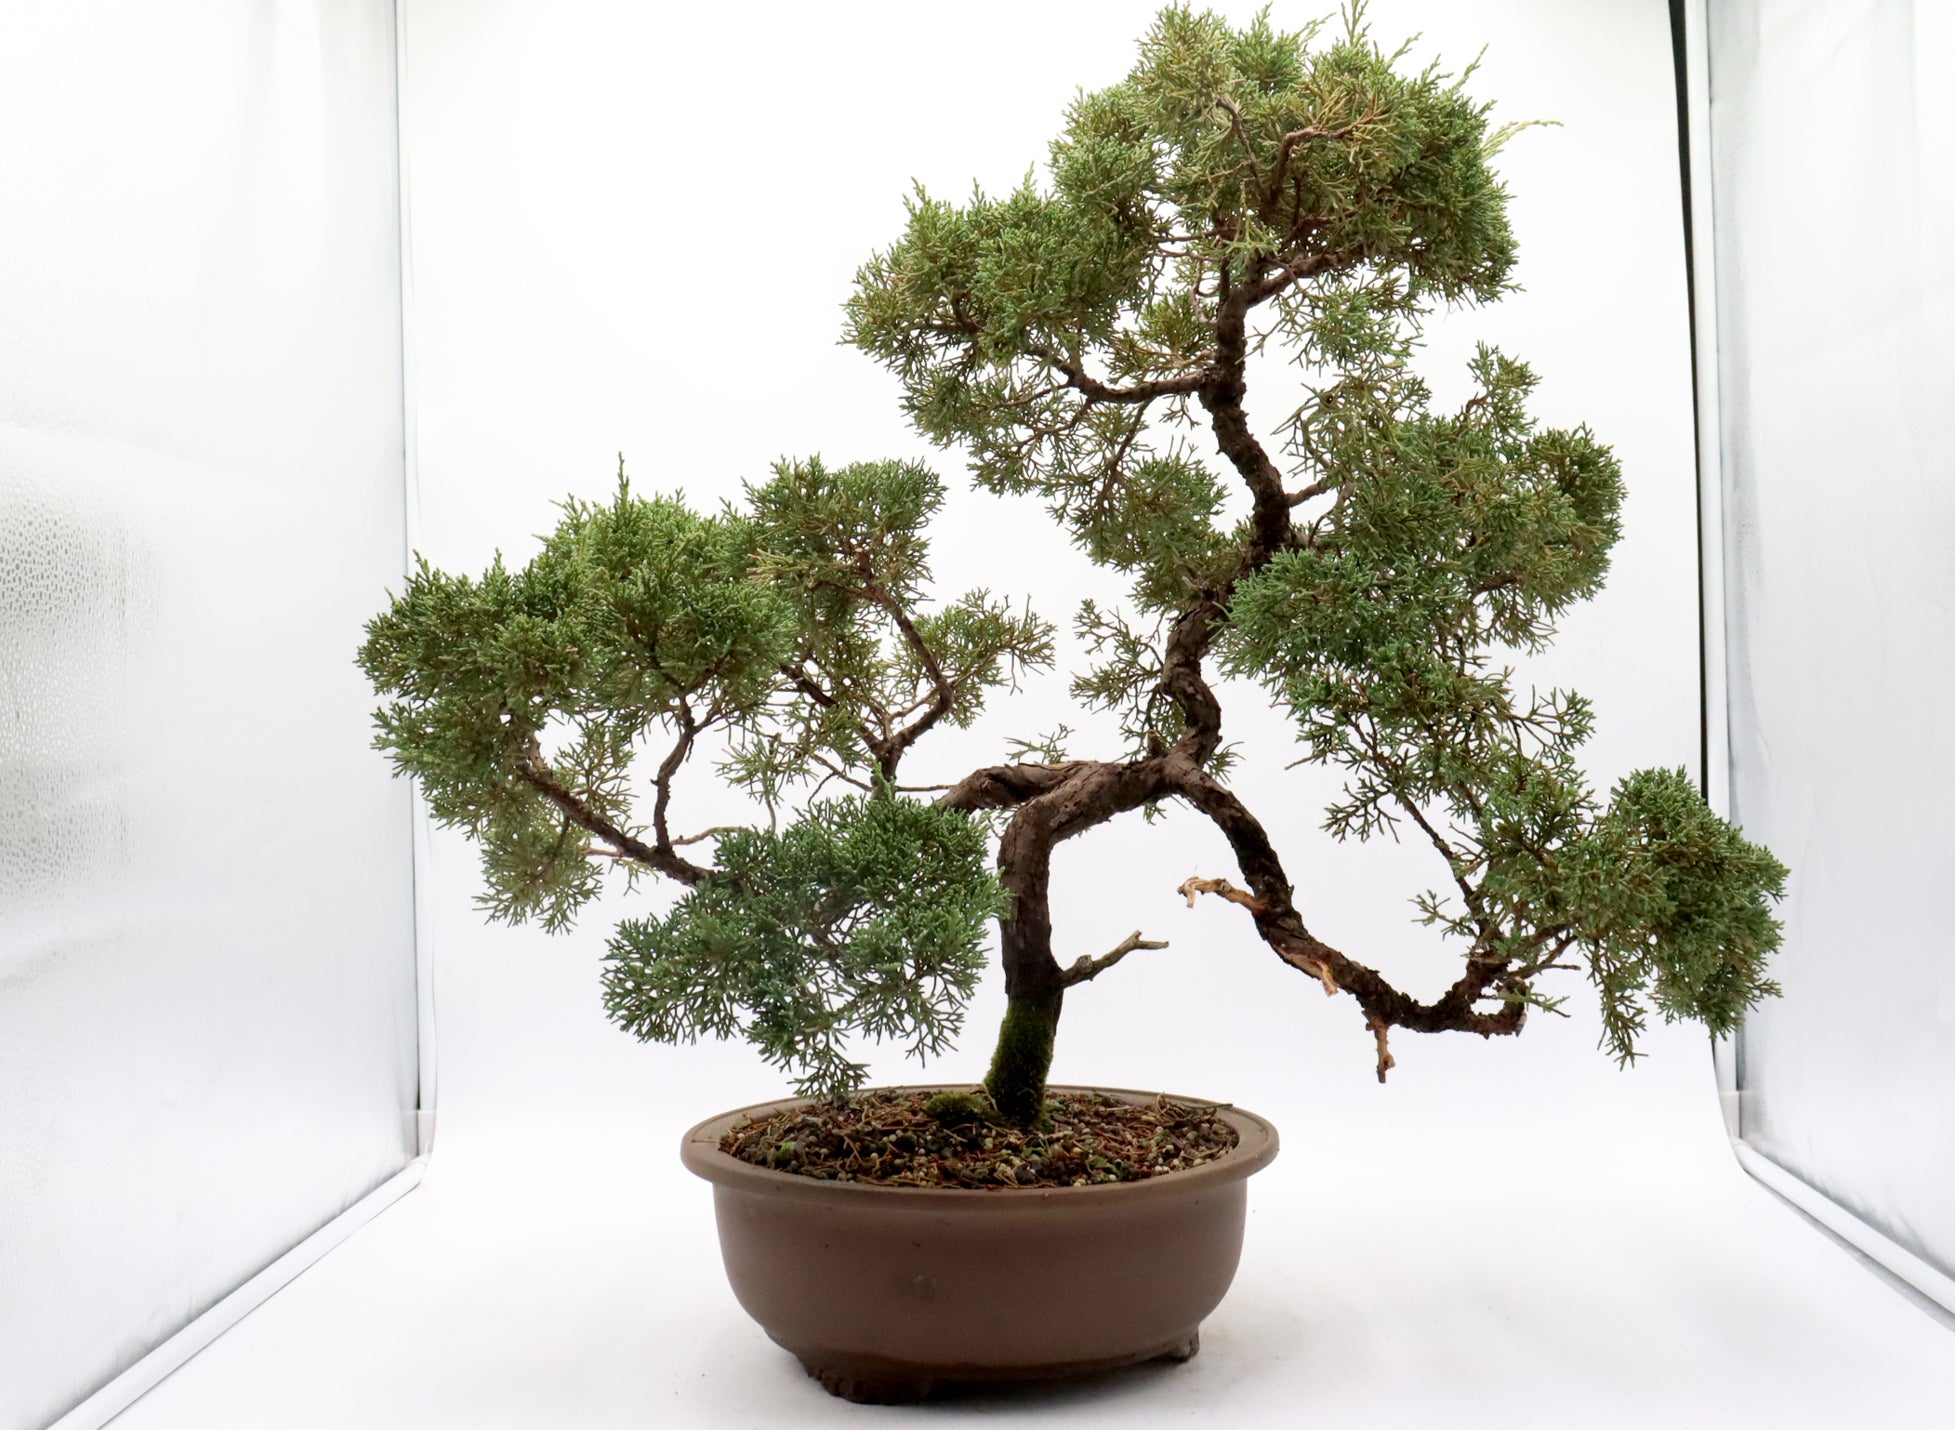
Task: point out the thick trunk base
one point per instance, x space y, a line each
1023 1060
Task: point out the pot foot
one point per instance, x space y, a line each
1186 1351
868 1388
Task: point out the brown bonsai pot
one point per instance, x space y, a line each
885 1292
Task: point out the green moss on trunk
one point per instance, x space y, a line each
1016 1081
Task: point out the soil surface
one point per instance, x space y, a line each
936 1139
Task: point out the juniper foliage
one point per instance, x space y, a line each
795 629
1087 340
865 916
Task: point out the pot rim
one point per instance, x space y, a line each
699 1150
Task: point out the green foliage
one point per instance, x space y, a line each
1162 187
866 916
1243 188
798 627
848 548
1671 903
1046 749
635 612
1450 537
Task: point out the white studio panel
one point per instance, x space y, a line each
207 958
1832 144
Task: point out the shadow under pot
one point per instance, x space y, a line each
887 1292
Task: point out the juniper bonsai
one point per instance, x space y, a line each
1088 340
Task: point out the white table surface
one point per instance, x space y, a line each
1399 1271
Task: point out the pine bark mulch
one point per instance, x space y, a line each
936 1139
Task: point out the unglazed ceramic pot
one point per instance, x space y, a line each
885 1292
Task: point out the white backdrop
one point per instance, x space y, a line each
1838 384
633 229
207 999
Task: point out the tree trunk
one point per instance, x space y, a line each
1088 796
1016 1081
1034 986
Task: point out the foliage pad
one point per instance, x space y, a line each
866 916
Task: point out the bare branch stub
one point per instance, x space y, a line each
1378 1026
1195 884
1084 968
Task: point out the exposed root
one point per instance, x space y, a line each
1386 1062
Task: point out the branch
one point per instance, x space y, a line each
1304 265
1234 111
1315 966
1113 462
942 696
1004 786
1081 381
1454 862
535 772
668 767
1084 968
801 681
836 772
1279 170
1183 682
1282 928
1089 795
1270 518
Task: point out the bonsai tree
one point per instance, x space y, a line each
1087 339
